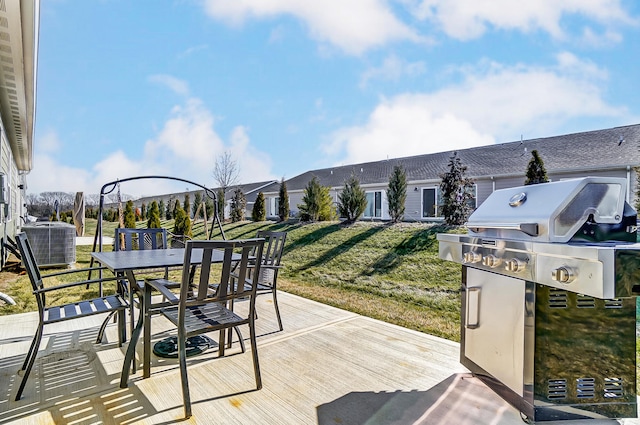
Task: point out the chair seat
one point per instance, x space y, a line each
262 287
83 308
203 318
59 313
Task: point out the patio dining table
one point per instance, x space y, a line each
126 263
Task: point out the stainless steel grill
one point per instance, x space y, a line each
550 274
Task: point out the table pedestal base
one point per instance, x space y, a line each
168 347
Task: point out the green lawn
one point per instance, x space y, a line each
389 272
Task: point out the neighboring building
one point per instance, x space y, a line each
250 191
18 63
613 152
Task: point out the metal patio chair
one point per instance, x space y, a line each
270 265
268 272
59 313
207 309
129 239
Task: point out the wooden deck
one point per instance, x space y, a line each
328 367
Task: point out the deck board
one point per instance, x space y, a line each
327 367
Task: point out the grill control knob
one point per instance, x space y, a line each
563 274
491 261
472 257
514 265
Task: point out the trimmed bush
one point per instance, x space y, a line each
259 213
352 201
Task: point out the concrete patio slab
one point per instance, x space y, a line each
328 367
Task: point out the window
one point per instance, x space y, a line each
274 204
432 199
374 205
429 204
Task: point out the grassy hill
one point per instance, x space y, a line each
389 272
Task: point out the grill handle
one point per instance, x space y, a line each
530 229
472 319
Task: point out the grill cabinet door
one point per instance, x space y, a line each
494 326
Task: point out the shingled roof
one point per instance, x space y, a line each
616 147
251 190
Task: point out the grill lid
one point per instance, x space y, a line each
590 207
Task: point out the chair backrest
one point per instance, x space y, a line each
273 246
30 264
224 276
135 239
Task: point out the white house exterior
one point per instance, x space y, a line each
613 152
19 22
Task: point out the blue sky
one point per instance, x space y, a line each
165 87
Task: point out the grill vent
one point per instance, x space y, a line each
616 303
557 298
613 387
585 387
557 389
585 302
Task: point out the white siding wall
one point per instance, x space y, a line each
413 206
10 212
295 198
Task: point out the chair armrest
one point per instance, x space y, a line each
160 286
265 266
86 269
72 284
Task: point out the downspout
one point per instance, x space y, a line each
628 183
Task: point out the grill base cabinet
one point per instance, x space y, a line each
550 274
552 354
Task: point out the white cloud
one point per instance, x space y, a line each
491 103
403 127
591 38
172 83
356 26
467 19
353 26
49 142
393 68
250 161
186 147
48 175
188 137
192 50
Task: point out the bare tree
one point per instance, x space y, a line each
226 171
66 200
115 198
49 199
33 200
92 200
35 205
